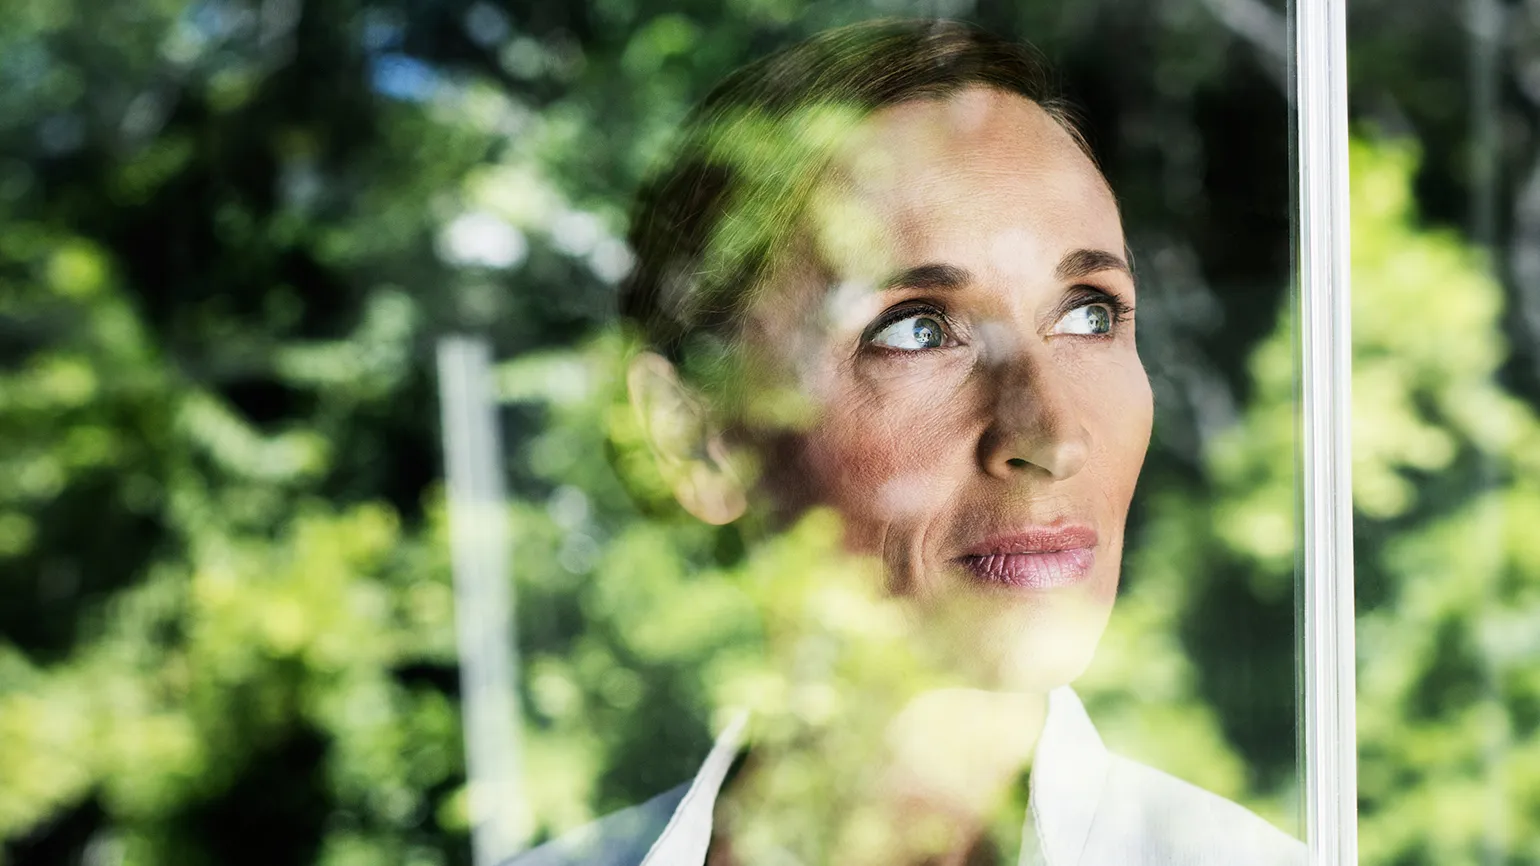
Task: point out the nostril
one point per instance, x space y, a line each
1016 462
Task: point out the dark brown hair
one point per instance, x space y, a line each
705 227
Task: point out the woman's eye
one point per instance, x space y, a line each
1091 319
912 333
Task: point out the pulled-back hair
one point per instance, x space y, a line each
706 226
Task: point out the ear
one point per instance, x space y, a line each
691 454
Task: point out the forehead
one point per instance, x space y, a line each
977 171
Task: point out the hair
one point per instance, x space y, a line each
705 228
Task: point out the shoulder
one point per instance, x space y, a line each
1169 821
619 839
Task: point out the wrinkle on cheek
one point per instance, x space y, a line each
902 503
883 466
902 497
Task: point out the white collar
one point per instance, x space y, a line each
1069 769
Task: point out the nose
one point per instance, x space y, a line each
1035 421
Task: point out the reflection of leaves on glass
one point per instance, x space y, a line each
840 680
1443 489
229 229
1440 473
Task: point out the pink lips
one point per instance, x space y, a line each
1037 558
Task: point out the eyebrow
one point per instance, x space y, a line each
1080 264
1076 265
931 276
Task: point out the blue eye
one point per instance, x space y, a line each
1094 319
912 333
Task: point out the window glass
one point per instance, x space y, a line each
1444 388
424 439
1186 111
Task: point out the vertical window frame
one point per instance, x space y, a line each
1326 655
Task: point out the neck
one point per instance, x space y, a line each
960 748
932 781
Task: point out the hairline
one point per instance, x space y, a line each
775 265
719 316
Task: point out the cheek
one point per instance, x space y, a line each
885 452
1119 411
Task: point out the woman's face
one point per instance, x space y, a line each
959 321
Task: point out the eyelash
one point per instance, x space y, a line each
906 311
1084 296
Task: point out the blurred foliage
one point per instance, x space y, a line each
1445 464
231 231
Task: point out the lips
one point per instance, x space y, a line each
1040 557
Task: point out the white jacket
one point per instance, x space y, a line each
1086 807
